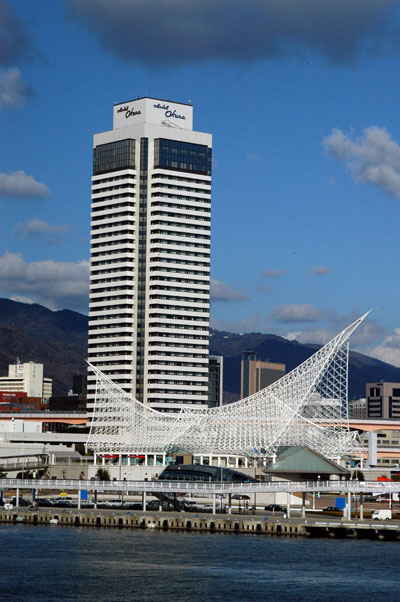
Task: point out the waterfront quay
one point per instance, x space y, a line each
296 521
310 526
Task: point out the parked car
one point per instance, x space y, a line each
275 508
116 503
135 506
330 509
204 508
153 505
381 514
21 502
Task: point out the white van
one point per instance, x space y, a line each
381 515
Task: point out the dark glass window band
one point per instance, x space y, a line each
114 156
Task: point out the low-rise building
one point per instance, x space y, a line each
358 408
27 378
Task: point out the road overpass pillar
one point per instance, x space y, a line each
372 448
144 501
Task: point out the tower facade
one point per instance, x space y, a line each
150 254
257 374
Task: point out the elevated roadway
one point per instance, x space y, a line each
204 488
82 418
62 417
374 425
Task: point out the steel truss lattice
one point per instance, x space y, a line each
307 406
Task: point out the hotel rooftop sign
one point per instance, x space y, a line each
152 110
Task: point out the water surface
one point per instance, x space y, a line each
48 563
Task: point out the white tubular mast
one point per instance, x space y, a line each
308 406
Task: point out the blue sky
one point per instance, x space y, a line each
302 99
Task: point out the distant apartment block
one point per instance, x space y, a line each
257 374
383 400
358 408
27 378
215 380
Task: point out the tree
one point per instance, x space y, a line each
102 474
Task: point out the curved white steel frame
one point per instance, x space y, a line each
308 406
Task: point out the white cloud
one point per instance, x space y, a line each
318 336
293 335
296 313
56 285
222 292
17 184
389 350
272 273
367 334
320 270
38 229
21 299
13 90
372 158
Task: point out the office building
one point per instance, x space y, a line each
27 378
383 400
150 255
79 385
257 374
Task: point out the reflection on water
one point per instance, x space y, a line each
44 563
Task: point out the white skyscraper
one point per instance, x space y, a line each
150 254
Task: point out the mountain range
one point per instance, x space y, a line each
58 339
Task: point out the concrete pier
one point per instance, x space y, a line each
210 523
184 522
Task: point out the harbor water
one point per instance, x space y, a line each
48 563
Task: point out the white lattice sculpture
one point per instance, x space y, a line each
308 406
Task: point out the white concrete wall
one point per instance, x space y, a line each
16 425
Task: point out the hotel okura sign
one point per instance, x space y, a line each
150 110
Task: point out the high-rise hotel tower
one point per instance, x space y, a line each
150 254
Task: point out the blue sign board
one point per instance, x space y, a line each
84 494
340 503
